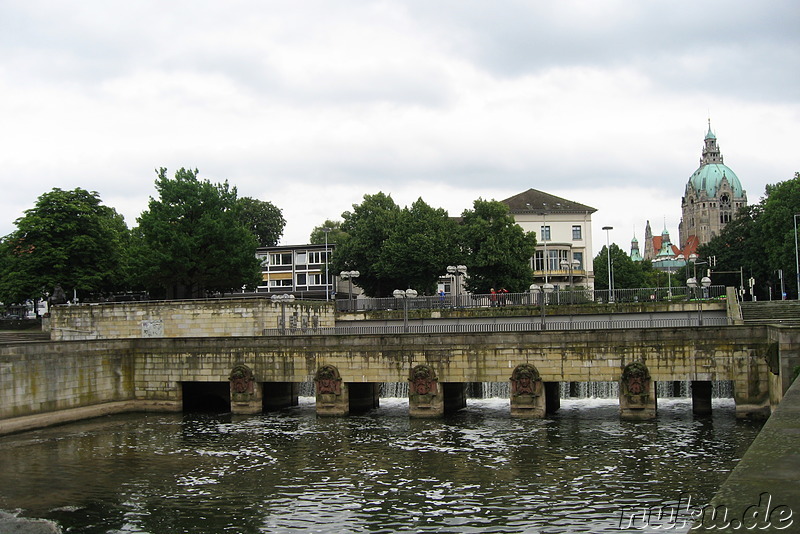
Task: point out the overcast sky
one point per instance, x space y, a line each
313 104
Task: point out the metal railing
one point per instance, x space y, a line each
560 297
534 325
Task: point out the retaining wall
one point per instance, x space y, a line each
183 318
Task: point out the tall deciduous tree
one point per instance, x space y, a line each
368 227
191 239
263 219
738 251
625 272
394 248
335 233
761 242
776 227
420 247
497 251
69 239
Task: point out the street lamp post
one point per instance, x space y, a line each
570 266
455 271
693 258
283 299
327 276
705 282
545 238
405 295
608 254
796 257
349 275
541 295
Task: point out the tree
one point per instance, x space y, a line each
395 248
738 250
335 233
263 219
625 272
777 232
419 248
367 227
192 240
69 238
497 251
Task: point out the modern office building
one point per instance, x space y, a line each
298 269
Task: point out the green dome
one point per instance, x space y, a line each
709 176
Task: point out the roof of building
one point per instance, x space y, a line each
690 247
535 201
709 177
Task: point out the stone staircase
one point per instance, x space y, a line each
15 336
771 312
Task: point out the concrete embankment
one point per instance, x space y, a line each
762 494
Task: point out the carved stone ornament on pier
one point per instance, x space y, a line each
526 382
636 384
527 392
333 395
242 379
328 381
422 383
636 399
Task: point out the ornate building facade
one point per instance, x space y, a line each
713 196
711 199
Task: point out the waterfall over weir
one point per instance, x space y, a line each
580 390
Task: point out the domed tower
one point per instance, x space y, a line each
713 195
635 254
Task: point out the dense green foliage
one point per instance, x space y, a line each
625 272
192 240
335 233
69 239
496 250
420 247
263 219
394 248
761 242
367 227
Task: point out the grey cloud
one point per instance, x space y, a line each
521 38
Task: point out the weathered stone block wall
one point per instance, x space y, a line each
734 353
194 318
37 378
45 377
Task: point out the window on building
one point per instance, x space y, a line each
281 283
301 279
578 256
316 279
544 233
316 258
300 258
282 258
577 234
538 260
555 258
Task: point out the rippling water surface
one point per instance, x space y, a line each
476 471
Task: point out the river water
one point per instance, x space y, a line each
582 470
